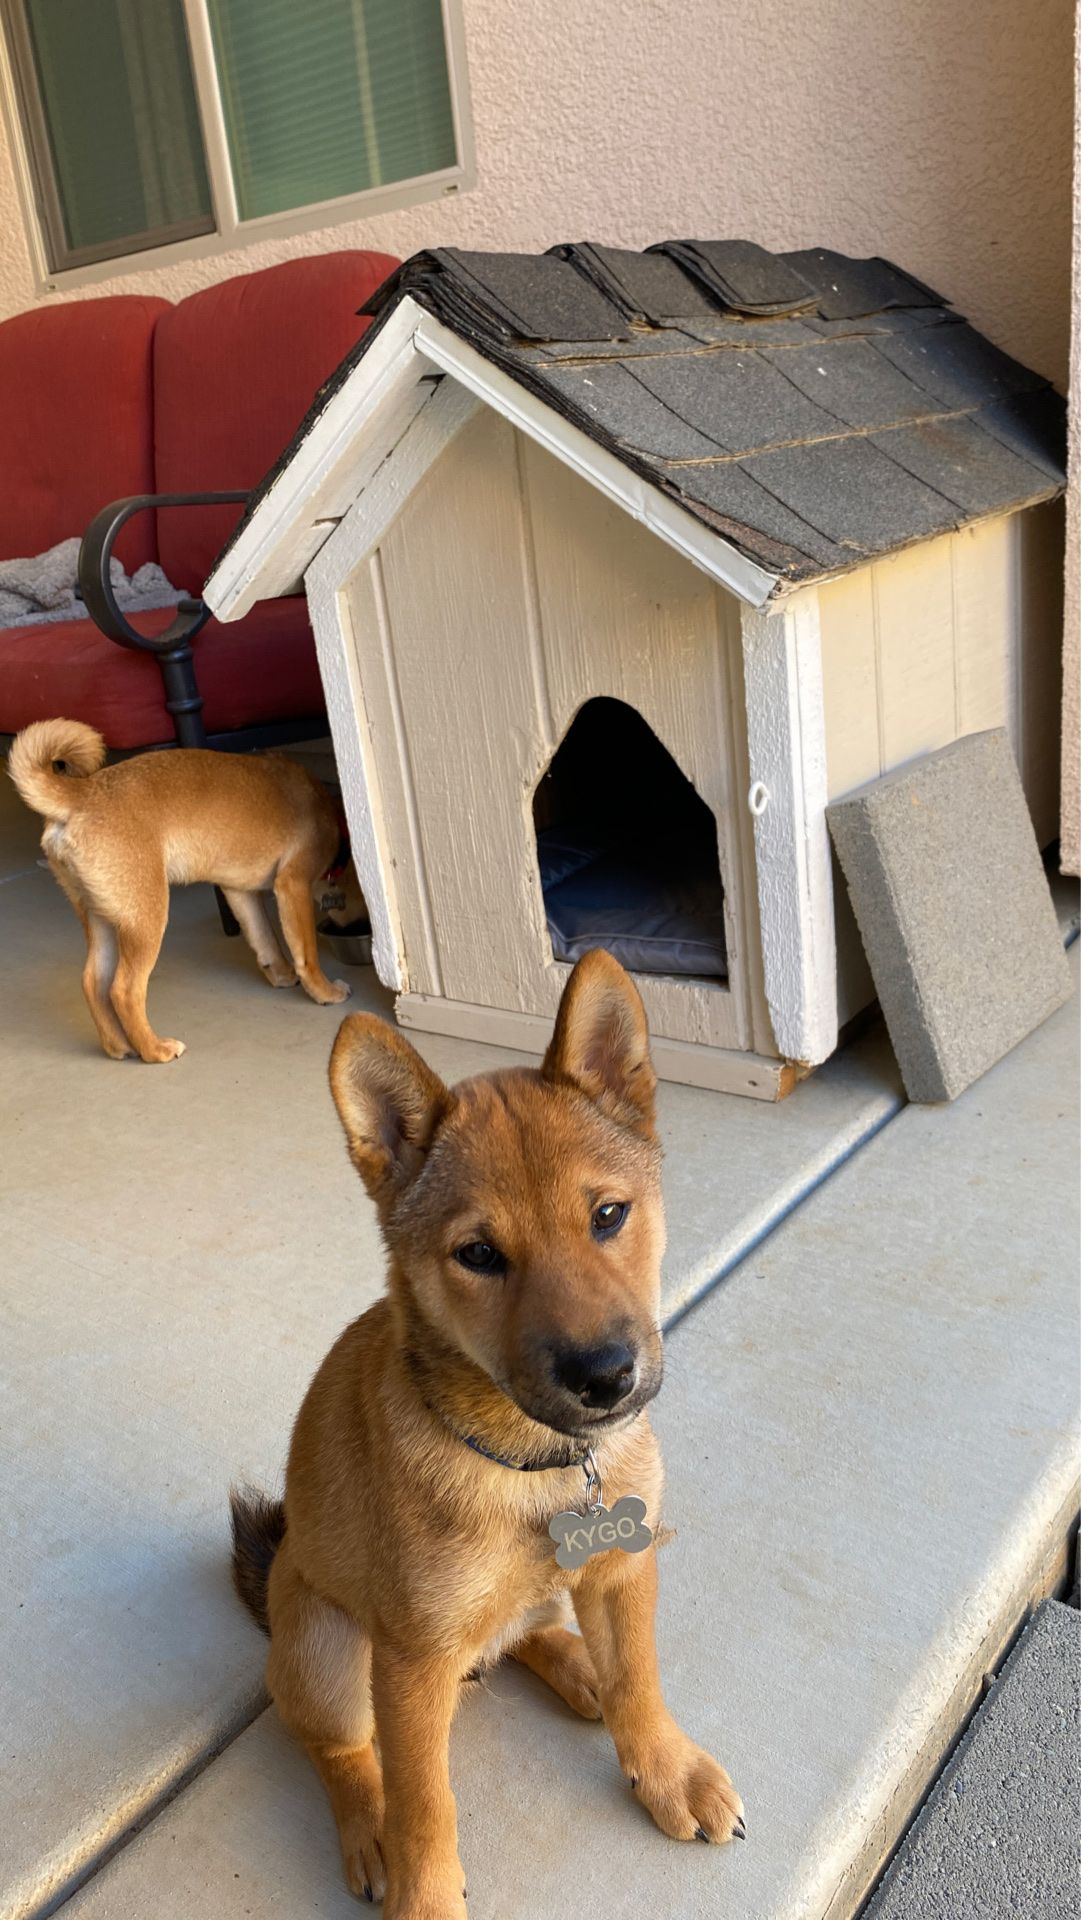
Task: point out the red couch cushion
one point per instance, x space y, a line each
236 368
258 669
76 428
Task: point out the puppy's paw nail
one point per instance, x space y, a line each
634 1780
701 1834
367 1891
739 1831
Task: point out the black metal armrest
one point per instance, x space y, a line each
95 584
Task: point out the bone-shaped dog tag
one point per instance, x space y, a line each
581 1535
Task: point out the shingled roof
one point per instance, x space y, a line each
815 411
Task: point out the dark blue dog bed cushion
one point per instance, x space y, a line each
657 906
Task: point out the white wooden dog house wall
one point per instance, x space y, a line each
790 511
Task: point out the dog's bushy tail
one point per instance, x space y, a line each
258 1531
49 759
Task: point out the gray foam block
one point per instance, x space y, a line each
954 911
998 1836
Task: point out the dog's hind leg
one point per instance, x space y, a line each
254 922
319 1674
140 943
102 954
100 966
292 890
562 1659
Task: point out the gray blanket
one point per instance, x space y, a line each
43 587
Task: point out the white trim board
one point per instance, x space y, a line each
719 1069
339 560
261 564
786 738
428 430
362 422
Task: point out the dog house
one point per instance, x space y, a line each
621 565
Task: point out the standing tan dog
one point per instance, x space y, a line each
117 837
451 1425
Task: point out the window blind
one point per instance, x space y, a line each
116 101
331 97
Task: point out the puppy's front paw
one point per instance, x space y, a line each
339 990
688 1793
362 1857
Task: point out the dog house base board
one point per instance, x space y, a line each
718 1069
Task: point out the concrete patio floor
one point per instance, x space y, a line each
869 1431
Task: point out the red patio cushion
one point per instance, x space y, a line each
76 427
255 670
236 368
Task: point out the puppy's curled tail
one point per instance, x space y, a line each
258 1531
49 759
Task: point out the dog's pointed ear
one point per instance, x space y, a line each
601 1041
389 1102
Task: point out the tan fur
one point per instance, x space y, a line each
118 837
408 1560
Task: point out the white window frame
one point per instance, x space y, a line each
233 233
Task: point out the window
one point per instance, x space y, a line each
191 125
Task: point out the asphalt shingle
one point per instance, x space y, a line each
957 365
535 295
960 461
855 384
743 276
736 502
845 289
853 493
738 399
621 405
645 286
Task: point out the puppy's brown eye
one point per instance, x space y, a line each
608 1218
481 1257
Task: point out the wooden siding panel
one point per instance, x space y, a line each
914 641
455 580
621 614
847 619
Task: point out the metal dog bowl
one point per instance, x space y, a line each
352 944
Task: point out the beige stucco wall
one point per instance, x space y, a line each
1071 678
937 132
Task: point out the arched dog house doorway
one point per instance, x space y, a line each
627 850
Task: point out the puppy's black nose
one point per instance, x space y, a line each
600 1376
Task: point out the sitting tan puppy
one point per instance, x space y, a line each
117 837
474 1456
